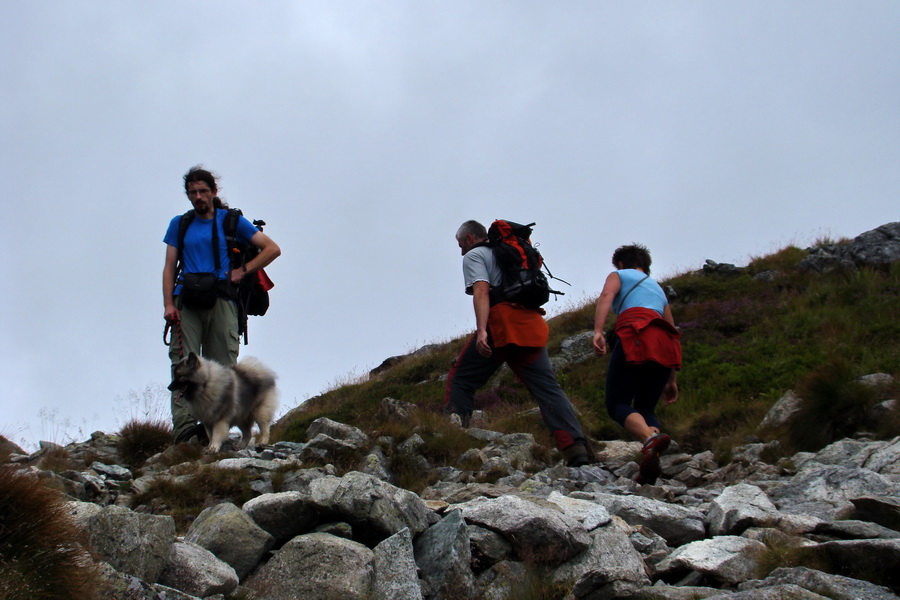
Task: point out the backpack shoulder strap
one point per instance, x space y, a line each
183 224
230 228
622 303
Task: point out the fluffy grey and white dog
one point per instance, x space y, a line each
221 397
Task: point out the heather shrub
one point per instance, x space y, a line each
40 551
835 405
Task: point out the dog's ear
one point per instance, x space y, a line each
193 360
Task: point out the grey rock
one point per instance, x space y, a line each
836 587
853 530
610 554
443 555
375 463
590 514
782 412
504 580
316 565
123 586
395 569
246 463
661 591
195 570
232 536
516 448
728 559
133 543
677 524
785 591
578 348
487 547
877 379
284 515
325 447
536 533
878 247
825 491
864 558
338 431
884 510
739 507
380 506
116 472
396 410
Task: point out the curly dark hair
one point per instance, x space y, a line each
634 256
199 173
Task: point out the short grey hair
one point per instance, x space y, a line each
473 227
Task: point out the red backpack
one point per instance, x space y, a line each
522 265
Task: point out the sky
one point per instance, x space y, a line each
365 133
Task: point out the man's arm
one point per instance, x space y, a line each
268 251
481 300
168 284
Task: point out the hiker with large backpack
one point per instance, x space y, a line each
502 272
201 282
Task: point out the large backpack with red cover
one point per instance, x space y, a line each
522 265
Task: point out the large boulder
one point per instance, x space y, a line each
316 565
134 543
677 524
536 533
395 569
231 535
739 507
195 570
727 559
443 554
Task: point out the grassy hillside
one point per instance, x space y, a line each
745 340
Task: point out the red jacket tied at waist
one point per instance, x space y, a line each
647 337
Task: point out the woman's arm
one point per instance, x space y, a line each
610 288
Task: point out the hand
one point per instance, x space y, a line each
236 275
171 314
599 343
670 393
481 344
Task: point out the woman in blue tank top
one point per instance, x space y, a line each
644 362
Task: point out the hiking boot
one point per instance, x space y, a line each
198 431
576 455
649 469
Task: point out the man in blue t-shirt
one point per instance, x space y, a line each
211 332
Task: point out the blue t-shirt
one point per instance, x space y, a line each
198 256
647 294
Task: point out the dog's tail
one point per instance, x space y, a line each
255 371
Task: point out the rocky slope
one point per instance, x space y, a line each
512 526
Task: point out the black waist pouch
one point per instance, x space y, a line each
199 290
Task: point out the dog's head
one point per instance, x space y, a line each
185 372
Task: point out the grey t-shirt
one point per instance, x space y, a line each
479 265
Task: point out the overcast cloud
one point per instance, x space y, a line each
364 133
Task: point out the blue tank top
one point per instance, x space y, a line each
647 294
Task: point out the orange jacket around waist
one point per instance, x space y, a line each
647 337
514 324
